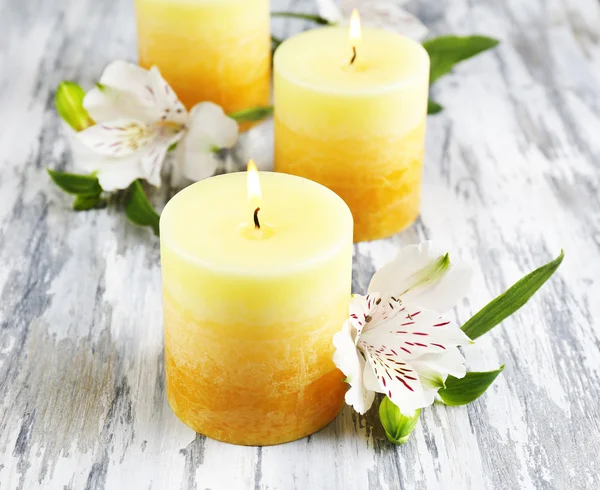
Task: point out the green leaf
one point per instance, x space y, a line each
252 114
511 300
397 427
138 208
69 105
83 202
295 15
76 183
447 51
465 390
433 107
275 42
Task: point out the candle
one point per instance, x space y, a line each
255 285
218 51
350 113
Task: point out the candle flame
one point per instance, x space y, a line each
355 29
254 192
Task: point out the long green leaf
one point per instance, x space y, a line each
460 391
295 15
433 107
138 208
251 114
397 427
76 183
511 300
447 51
69 105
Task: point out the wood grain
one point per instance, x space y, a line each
512 175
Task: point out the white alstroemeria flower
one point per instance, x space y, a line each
383 14
138 117
395 341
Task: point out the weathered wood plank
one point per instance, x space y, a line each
512 175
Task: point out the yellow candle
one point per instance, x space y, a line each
209 50
358 127
250 312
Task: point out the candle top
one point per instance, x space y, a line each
320 58
211 224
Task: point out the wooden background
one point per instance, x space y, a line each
512 175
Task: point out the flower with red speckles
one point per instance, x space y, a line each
395 342
138 119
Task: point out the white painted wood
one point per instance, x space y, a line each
512 175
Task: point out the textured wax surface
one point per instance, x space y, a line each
208 50
359 129
380 179
249 321
251 384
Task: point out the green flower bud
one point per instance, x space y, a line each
397 426
69 104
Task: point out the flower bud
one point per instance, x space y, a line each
397 426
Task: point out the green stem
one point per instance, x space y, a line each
251 114
295 15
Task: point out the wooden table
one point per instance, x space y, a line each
512 175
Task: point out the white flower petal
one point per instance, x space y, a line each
435 368
444 294
367 312
370 380
359 398
108 104
165 99
395 378
118 138
154 155
124 94
112 173
404 276
209 130
129 91
134 148
128 77
152 161
351 363
328 9
211 127
414 333
193 162
386 14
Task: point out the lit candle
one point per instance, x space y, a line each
208 50
350 111
255 285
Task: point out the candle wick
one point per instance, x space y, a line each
256 222
353 54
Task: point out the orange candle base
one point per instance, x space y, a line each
215 51
275 402
379 178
